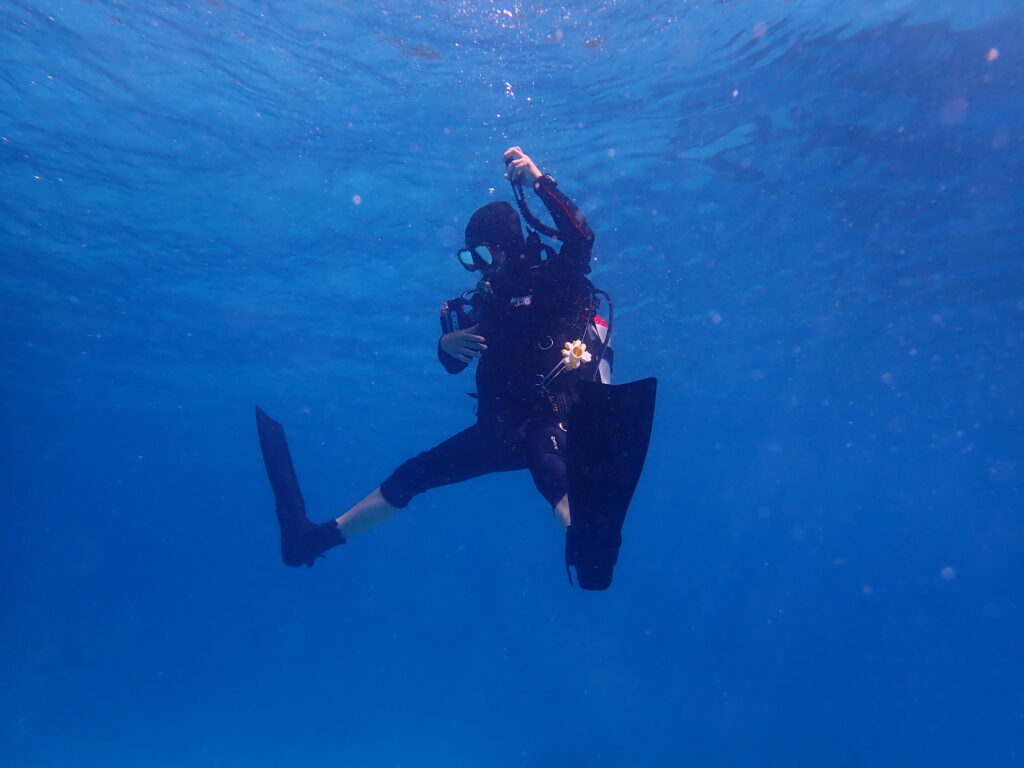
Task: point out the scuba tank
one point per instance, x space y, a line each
599 336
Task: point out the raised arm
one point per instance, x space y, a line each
576 235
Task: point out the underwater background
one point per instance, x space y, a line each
809 216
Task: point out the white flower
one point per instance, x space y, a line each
574 354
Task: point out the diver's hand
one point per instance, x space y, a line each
519 166
463 344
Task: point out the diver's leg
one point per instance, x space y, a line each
545 457
470 453
367 514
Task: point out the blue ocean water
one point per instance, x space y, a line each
809 215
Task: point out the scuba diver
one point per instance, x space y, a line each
544 399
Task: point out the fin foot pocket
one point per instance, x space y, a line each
305 544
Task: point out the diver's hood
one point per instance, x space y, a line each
497 224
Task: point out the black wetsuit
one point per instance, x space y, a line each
525 322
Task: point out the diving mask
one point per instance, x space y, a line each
476 258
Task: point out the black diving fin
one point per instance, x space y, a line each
302 541
608 434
